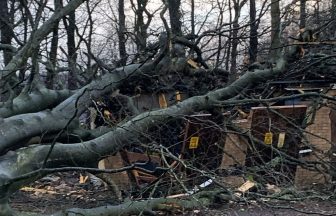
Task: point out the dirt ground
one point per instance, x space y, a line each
307 207
60 191
57 192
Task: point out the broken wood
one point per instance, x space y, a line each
245 187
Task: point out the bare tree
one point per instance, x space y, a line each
237 6
143 19
51 67
70 26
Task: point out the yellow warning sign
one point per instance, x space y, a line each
281 139
193 144
268 138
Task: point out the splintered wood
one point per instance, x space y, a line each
192 63
244 187
162 101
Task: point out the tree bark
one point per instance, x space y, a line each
235 41
70 27
51 69
237 5
302 14
6 31
219 46
275 30
33 102
192 17
141 26
5 42
333 17
121 33
175 17
253 49
228 51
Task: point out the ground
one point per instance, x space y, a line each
62 191
306 207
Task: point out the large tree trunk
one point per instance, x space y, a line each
6 31
333 17
228 50
175 17
121 33
70 27
275 30
235 41
253 49
51 69
38 100
141 26
219 46
237 5
192 18
302 14
5 41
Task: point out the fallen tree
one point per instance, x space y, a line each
25 165
36 158
53 113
